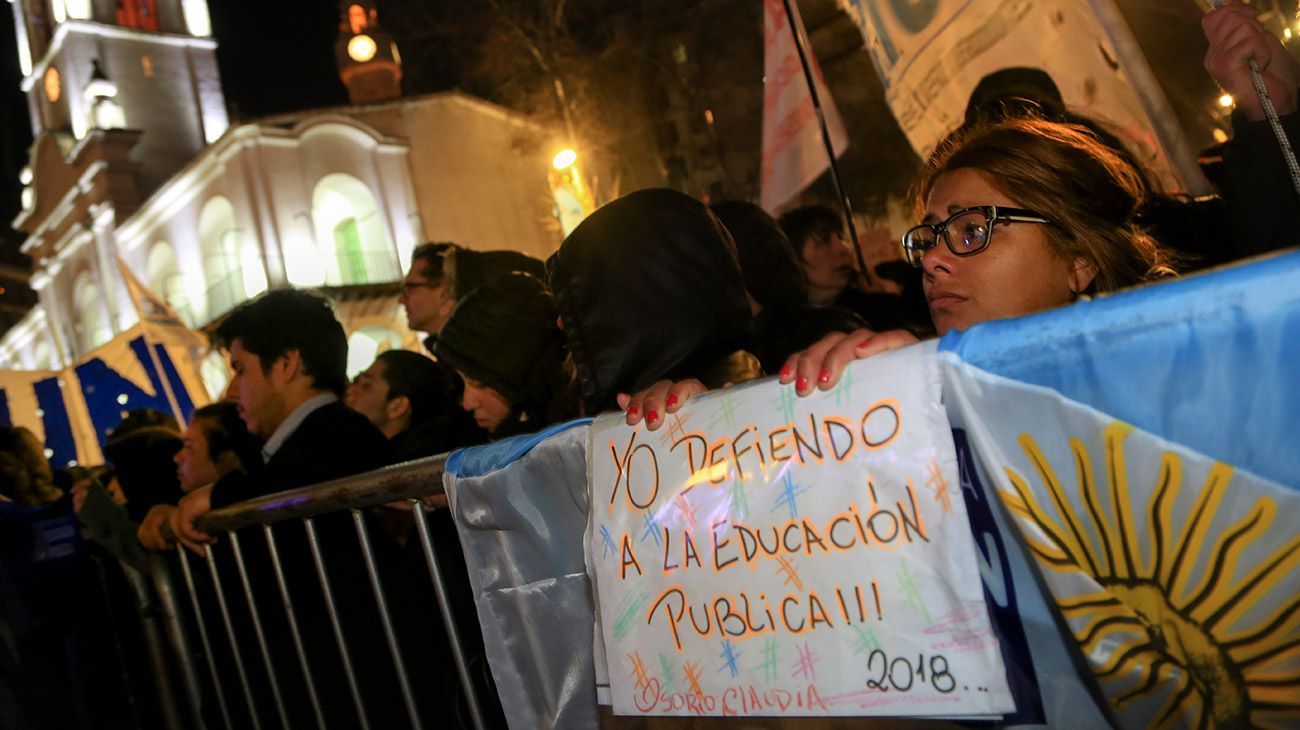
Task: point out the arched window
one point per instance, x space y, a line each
365 344
350 233
163 277
232 263
92 326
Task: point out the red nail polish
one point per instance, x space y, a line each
785 371
672 399
864 343
633 411
824 376
651 416
801 383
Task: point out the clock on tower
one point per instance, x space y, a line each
368 61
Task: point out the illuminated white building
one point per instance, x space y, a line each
134 157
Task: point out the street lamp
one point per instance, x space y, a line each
564 159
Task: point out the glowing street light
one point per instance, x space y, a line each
1226 101
564 159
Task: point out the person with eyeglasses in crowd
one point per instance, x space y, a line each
443 274
1017 217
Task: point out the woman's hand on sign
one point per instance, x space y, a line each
191 507
150 533
1236 38
821 365
654 403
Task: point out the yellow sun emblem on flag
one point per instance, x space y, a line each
1161 613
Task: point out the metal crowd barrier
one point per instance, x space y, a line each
407 482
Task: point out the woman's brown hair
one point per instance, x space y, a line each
1064 173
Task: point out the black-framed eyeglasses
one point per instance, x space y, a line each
410 286
966 232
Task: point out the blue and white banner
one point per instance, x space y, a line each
930 54
1127 468
72 411
1142 445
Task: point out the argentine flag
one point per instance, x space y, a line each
1143 446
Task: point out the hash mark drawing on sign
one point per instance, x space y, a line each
769 665
692 670
652 528
632 603
729 656
666 674
911 592
676 428
806 665
867 640
784 566
788 498
607 542
934 480
638 670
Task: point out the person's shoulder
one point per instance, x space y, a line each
339 436
336 422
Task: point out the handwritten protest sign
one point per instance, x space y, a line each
764 554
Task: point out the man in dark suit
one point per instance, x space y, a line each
288 356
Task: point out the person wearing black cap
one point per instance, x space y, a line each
504 341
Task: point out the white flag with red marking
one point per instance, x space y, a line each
794 154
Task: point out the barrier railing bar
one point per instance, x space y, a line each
448 617
334 622
203 636
234 641
400 482
145 611
257 629
293 626
176 634
358 519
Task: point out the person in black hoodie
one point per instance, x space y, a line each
784 322
651 296
503 340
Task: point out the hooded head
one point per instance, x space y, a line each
648 288
503 336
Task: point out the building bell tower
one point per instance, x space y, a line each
121 96
367 57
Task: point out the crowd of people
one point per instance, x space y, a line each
652 299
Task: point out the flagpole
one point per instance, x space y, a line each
149 346
826 139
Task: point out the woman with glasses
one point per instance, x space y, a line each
1016 218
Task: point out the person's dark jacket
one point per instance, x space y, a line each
504 336
1263 204
333 441
649 288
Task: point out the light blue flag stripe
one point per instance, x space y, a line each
1209 361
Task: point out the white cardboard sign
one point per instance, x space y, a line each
764 554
